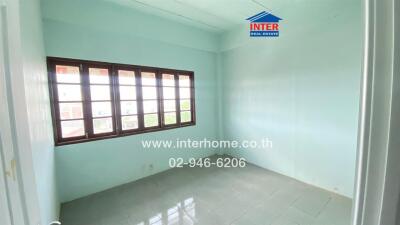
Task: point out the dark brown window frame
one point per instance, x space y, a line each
84 66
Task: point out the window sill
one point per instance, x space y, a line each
61 143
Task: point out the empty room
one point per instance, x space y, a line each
199 112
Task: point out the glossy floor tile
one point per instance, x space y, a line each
210 196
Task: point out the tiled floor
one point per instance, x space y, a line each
211 196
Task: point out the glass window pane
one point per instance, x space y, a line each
150 106
169 105
127 92
185 104
128 107
99 76
148 78
168 92
184 92
149 93
129 122
72 128
168 80
102 125
68 92
184 81
186 116
100 92
126 77
170 118
67 74
71 111
100 109
150 120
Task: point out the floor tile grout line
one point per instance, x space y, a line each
323 208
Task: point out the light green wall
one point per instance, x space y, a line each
38 108
300 90
107 32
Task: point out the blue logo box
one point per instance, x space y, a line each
264 33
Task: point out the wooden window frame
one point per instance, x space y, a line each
113 68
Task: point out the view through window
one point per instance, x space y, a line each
95 100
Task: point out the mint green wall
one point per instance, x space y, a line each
300 90
38 108
107 32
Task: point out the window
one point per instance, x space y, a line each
96 100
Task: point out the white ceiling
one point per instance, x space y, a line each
211 15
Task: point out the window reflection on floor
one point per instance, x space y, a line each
182 213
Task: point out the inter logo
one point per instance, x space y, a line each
264 24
